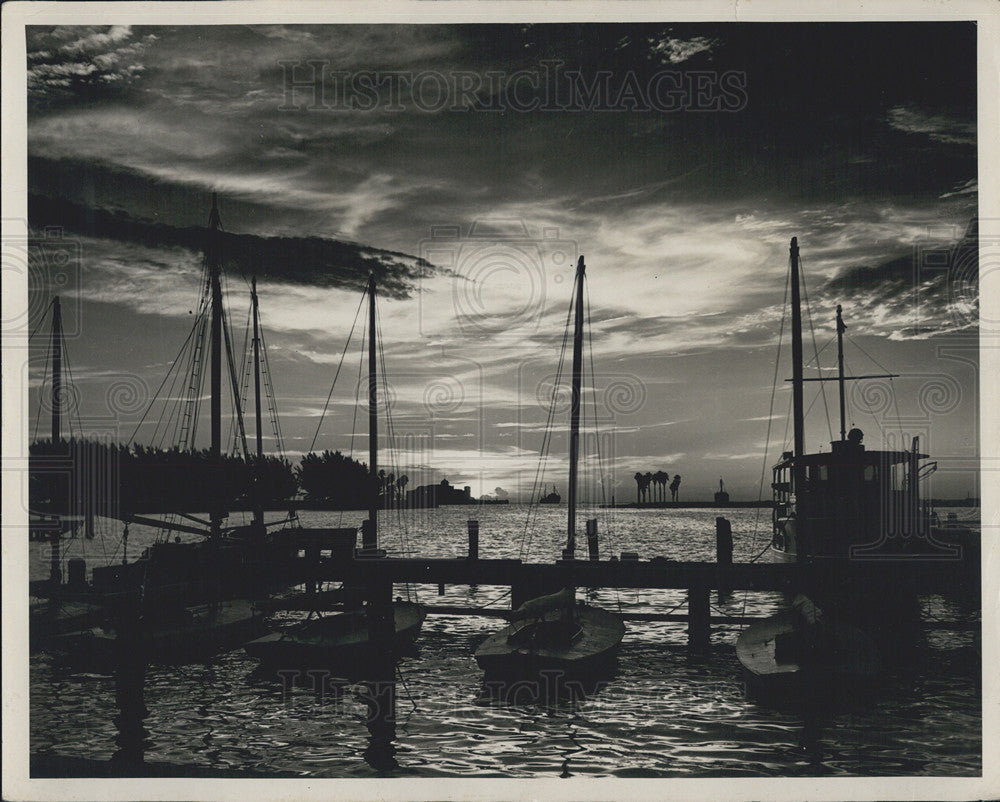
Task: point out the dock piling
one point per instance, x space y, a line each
382 682
723 553
592 547
699 618
473 539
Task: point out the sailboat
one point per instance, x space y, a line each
832 512
342 639
555 632
192 599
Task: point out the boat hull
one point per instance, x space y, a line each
204 630
506 654
781 655
336 641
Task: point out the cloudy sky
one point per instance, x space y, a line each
469 167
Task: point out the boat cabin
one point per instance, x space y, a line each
846 502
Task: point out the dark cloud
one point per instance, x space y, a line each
307 261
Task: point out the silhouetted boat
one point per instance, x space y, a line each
181 600
342 639
171 635
555 632
334 641
778 652
832 513
550 498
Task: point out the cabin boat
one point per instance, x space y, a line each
833 510
550 498
556 633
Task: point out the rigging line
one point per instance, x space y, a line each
199 387
871 412
899 420
69 373
597 431
185 408
339 365
246 365
41 393
394 464
593 395
41 322
181 411
390 431
235 403
862 350
821 350
812 332
157 394
546 436
188 409
357 396
770 423
272 397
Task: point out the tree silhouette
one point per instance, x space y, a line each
638 487
674 486
647 480
661 480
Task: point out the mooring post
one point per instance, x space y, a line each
55 563
699 618
723 553
592 539
131 656
312 561
382 681
473 539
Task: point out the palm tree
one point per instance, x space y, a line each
401 484
647 480
661 480
638 487
674 485
390 489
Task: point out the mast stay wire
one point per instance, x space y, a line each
333 384
527 534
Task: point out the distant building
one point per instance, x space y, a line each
442 493
721 496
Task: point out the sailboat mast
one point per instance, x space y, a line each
370 538
258 510
797 404
574 421
215 270
256 369
840 371
798 466
56 369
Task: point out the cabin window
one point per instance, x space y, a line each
871 473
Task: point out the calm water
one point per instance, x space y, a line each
664 713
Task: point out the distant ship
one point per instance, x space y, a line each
721 497
549 498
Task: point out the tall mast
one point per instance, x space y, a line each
370 538
798 466
56 369
215 270
574 420
841 328
256 369
258 509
